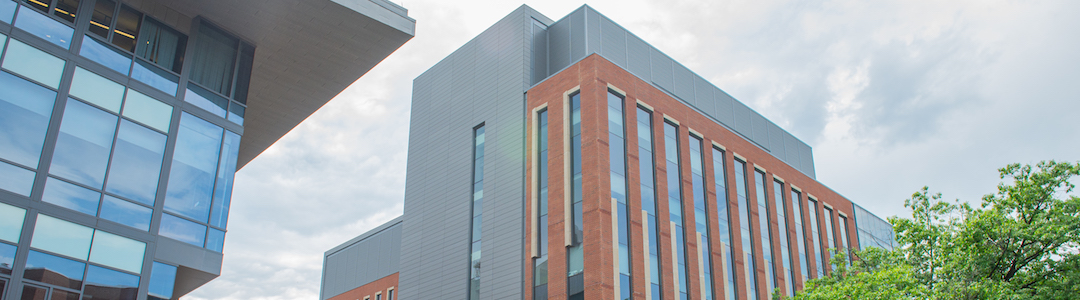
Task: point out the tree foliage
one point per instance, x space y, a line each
1022 242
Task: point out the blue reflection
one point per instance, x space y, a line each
44 27
102 277
15 179
153 76
82 149
182 230
127 213
219 213
7 258
7 10
136 163
54 270
215 240
25 109
105 55
191 180
162 279
236 113
71 196
206 100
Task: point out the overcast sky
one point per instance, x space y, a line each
891 95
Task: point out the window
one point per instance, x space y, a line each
617 151
675 203
378 296
33 64
65 255
195 163
162 280
575 257
540 264
843 245
56 29
749 273
477 213
796 216
782 231
766 230
701 218
727 249
647 186
83 146
830 242
390 294
817 247
222 63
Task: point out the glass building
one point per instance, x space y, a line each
122 124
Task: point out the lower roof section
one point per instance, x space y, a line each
370 257
306 52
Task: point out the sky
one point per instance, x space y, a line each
892 95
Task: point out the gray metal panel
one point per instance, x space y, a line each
792 147
539 61
592 28
661 70
684 84
362 260
559 45
613 45
703 93
760 129
807 160
578 42
742 119
776 141
638 57
724 109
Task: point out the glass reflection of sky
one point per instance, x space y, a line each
25 109
136 163
105 55
82 149
162 279
7 10
127 213
103 277
44 27
215 240
15 179
153 76
11 222
117 252
33 63
71 196
191 180
182 230
219 214
70 269
7 258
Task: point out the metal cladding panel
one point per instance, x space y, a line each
703 92
761 129
638 57
578 43
613 45
661 70
684 84
807 160
592 37
776 142
362 261
742 119
792 148
559 45
482 82
724 108
539 61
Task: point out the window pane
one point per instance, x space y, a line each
182 230
25 109
11 222
213 59
66 9
117 252
127 213
162 45
191 180
15 179
33 293
62 237
136 163
7 10
53 269
153 76
215 240
71 196
219 214
105 55
105 284
148 111
236 113
84 143
127 28
162 277
64 295
7 261
95 89
33 63
102 17
243 76
206 100
44 27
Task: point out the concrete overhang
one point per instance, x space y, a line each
306 52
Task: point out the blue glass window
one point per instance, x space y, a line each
182 230
155 77
82 149
25 110
162 279
206 100
106 55
33 63
230 148
15 179
236 113
102 283
11 222
7 259
136 163
127 213
97 90
117 252
148 111
44 27
215 240
55 270
62 237
195 160
7 10
71 196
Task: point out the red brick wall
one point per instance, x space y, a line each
593 75
381 285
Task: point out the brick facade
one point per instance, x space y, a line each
368 291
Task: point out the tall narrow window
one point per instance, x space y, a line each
782 231
213 59
750 276
617 151
796 216
815 234
830 242
540 264
575 258
162 45
477 212
766 232
727 251
648 200
675 204
701 218
843 245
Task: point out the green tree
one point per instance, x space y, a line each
1022 242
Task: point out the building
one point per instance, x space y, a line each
122 123
570 159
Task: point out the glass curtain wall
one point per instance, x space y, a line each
648 200
697 176
727 250
782 229
617 154
675 204
796 216
749 273
540 264
575 258
766 232
477 209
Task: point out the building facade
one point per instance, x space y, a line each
122 123
570 159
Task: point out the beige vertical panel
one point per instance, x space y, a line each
723 272
615 244
701 267
645 256
674 260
